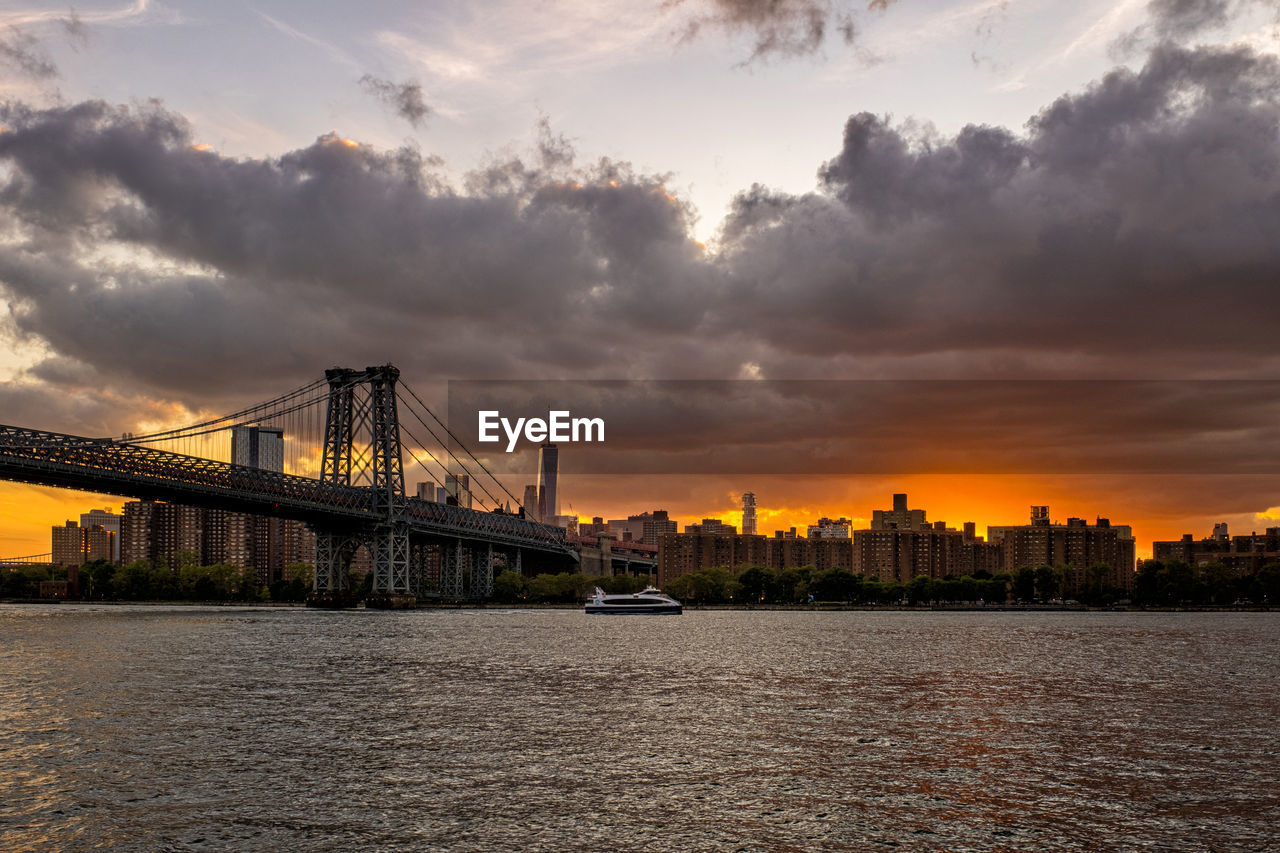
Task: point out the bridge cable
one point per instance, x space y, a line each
311 386
455 457
470 477
460 444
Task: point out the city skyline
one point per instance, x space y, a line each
206 205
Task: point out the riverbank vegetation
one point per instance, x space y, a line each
1155 585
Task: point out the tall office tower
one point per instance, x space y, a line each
749 514
427 490
258 447
458 487
548 465
1220 533
531 503
107 520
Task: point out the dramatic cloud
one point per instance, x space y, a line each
405 98
1122 220
1132 229
780 27
22 52
1181 19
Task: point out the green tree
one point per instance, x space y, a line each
835 584
1024 584
134 581
756 583
996 589
96 580
786 587
509 586
1264 587
1048 583
920 590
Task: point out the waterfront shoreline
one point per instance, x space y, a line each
815 608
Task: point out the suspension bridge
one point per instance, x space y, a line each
342 473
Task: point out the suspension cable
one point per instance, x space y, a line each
437 461
311 386
460 444
471 478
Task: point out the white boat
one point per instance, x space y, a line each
649 600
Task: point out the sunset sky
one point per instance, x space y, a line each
205 205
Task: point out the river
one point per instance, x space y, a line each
212 728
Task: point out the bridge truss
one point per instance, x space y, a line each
358 500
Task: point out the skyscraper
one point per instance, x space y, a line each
548 465
458 487
749 514
531 503
258 447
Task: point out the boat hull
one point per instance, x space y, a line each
636 609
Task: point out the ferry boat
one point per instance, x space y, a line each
649 601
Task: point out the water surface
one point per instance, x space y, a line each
183 728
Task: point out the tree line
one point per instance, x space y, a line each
1157 584
183 579
1176 584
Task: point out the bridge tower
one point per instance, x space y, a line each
362 448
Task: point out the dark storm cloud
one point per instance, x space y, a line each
405 98
780 27
1182 19
1131 229
246 273
886 427
1121 221
22 52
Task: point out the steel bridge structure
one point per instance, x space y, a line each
359 499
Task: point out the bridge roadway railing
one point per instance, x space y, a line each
104 465
55 459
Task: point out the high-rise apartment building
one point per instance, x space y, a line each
749 514
1243 554
831 528
1077 545
713 526
653 526
899 518
160 531
73 545
258 447
107 520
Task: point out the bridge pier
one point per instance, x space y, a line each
333 558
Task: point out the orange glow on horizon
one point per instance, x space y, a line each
28 513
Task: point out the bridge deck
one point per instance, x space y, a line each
118 468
